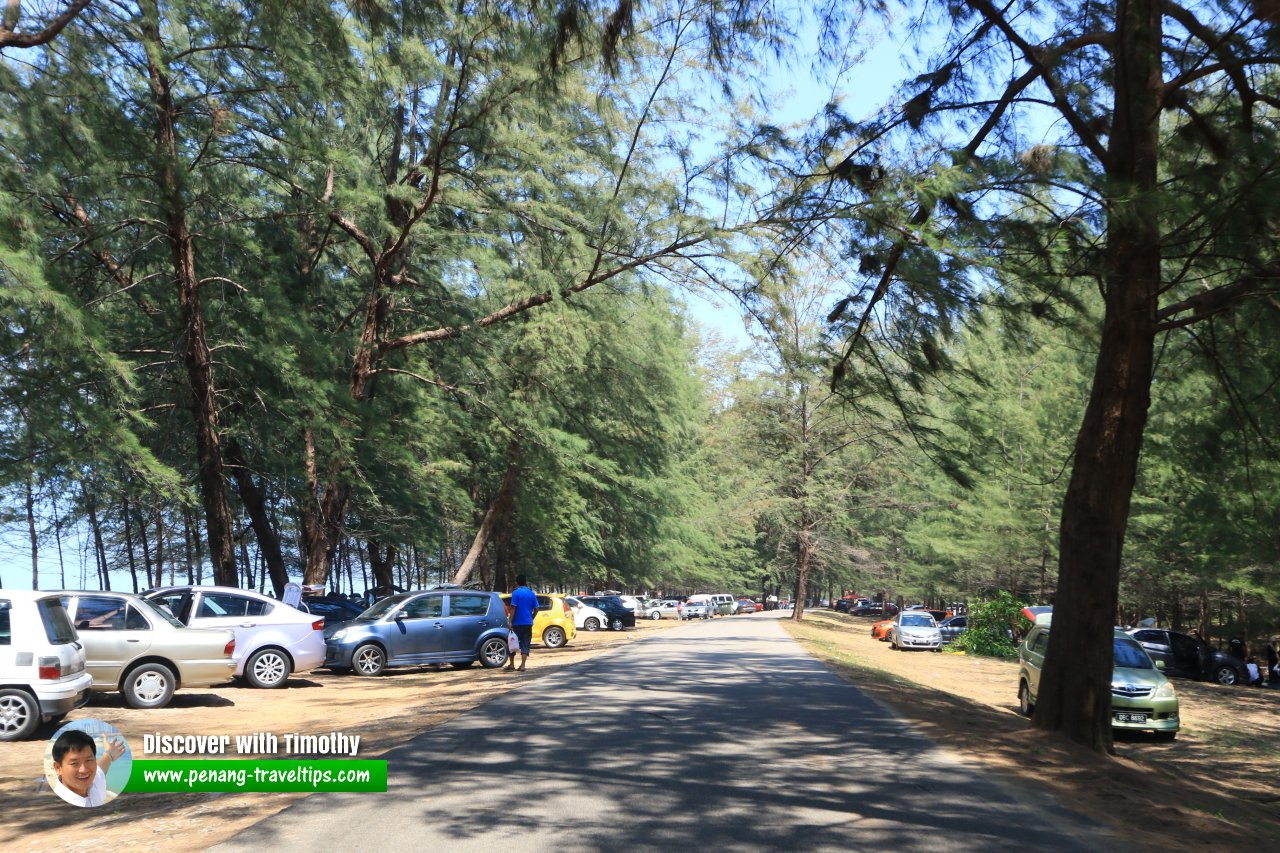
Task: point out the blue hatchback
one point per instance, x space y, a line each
457 626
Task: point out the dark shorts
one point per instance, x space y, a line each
524 633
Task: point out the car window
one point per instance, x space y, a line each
1149 636
225 604
179 604
917 620
1130 654
544 602
1041 643
135 621
6 631
57 624
381 608
426 607
155 609
1185 646
99 613
471 604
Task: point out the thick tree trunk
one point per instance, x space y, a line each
493 516
381 563
196 356
99 549
128 544
322 517
1075 691
256 505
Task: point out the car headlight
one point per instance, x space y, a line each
1164 691
339 634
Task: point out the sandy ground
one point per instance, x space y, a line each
1215 788
384 712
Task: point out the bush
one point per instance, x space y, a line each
991 628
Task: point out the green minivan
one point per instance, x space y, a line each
1142 699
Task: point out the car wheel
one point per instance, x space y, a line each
1025 708
554 637
893 644
494 652
873 634
369 659
591 624
462 664
1226 675
655 615
150 685
616 624
267 668
19 714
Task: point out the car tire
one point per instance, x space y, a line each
150 685
554 637
615 624
494 653
591 623
268 669
463 664
1025 707
1226 674
19 714
369 660
655 615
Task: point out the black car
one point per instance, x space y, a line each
875 610
336 609
953 627
1185 656
619 615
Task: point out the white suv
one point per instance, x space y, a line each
42 674
273 640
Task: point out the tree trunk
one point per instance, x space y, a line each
1075 689
99 549
31 530
497 511
256 505
196 356
128 544
382 563
322 517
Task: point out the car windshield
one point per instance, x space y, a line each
382 608
917 620
1130 655
162 612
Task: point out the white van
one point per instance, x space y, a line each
42 674
726 605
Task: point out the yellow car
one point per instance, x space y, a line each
553 623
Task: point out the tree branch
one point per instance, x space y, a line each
13 11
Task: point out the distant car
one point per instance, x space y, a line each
585 616
553 624
456 626
915 629
620 616
1142 699
875 610
953 627
137 647
337 610
1185 656
658 608
42 672
725 604
273 640
697 609
746 605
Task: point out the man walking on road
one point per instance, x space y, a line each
523 605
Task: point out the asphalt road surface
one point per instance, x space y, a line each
720 735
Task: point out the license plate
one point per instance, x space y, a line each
1124 717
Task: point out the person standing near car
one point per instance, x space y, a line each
524 604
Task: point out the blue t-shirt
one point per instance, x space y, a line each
524 603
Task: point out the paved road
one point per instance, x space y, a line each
722 735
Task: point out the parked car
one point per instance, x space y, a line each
273 640
138 648
726 605
953 627
553 624
1185 656
696 608
880 630
457 627
875 610
1142 699
337 610
915 629
746 605
585 616
633 603
657 608
619 615
42 672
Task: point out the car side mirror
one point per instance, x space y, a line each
399 617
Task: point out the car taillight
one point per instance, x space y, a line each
50 669
230 648
565 605
317 625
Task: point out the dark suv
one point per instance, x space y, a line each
1185 656
619 615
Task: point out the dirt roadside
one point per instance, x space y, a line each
1215 788
385 712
